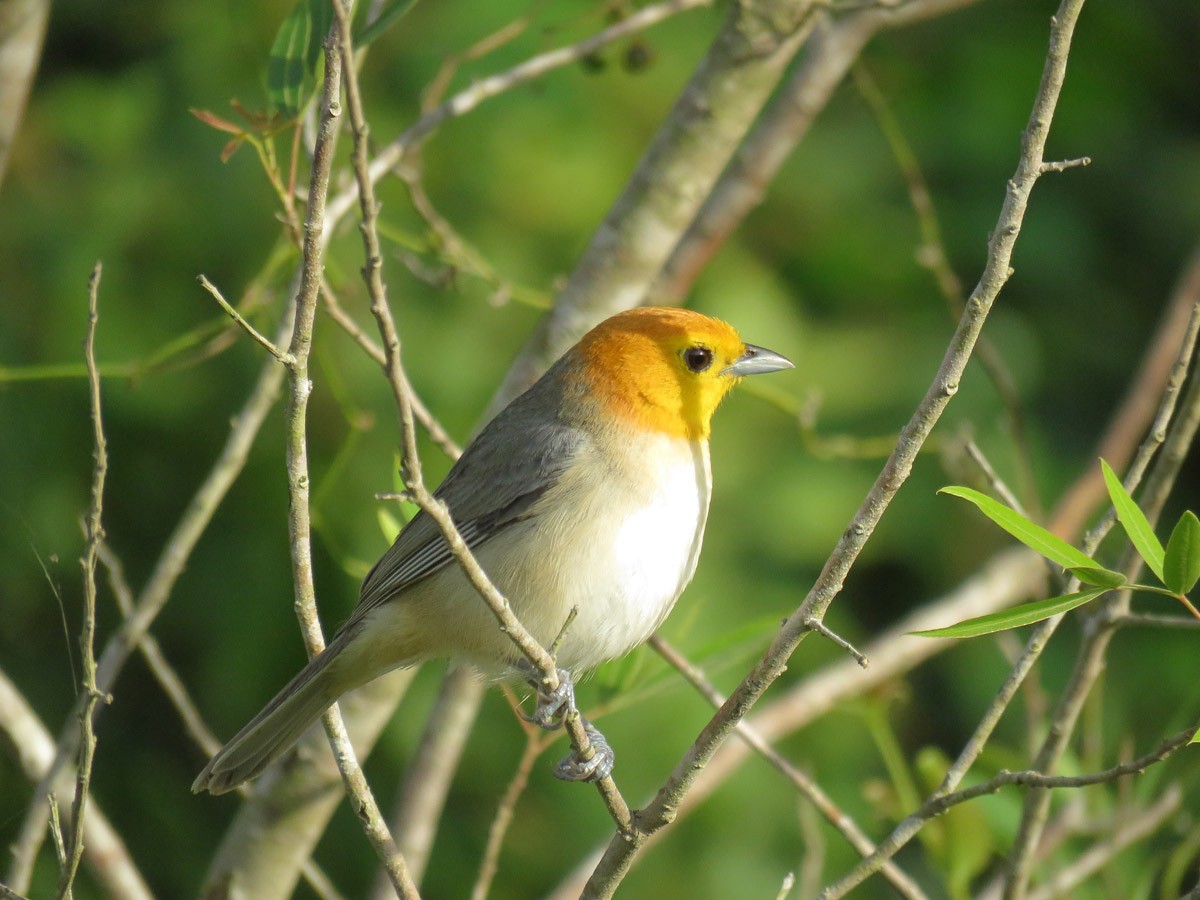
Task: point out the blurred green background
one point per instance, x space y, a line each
111 165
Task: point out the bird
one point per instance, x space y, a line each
586 497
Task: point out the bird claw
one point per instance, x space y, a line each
552 706
599 766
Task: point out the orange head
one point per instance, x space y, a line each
665 369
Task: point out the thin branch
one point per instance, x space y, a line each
1099 626
338 57
908 828
153 597
104 852
1013 575
90 694
1130 829
262 339
414 482
486 88
421 412
421 800
535 745
622 850
807 788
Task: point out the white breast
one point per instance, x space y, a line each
637 551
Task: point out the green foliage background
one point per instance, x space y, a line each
110 165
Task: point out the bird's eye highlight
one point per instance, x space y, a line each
698 359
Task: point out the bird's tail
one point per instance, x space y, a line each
273 731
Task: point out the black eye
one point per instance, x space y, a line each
697 359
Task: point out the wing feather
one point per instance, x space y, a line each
514 461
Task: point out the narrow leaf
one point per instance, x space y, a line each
295 54
1181 565
1098 576
214 121
1028 533
1195 738
1025 614
1134 521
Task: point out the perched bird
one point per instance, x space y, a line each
590 492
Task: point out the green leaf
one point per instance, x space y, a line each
1181 565
1028 533
388 16
1025 614
295 53
1195 738
1134 522
1098 576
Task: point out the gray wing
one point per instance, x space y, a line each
499 478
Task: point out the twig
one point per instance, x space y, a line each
907 829
834 45
826 632
621 851
435 509
535 745
420 801
1131 828
1012 575
338 57
486 88
262 339
807 788
90 694
1099 625
170 564
421 412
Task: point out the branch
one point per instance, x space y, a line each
22 32
153 597
427 777
542 660
832 48
1011 576
104 852
1100 626
90 694
807 788
622 851
338 56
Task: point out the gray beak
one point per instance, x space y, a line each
757 361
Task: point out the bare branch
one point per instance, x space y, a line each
414 482
90 694
622 850
104 853
807 788
338 57
420 802
285 358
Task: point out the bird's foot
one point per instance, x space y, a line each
600 765
552 706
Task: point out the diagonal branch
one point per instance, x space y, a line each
621 850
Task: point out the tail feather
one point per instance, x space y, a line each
273 731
